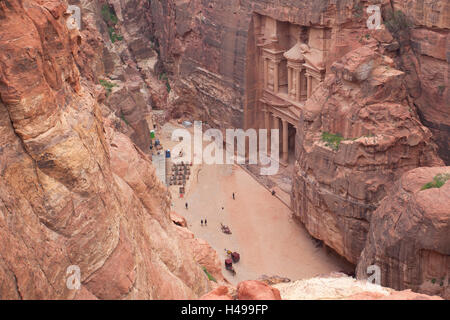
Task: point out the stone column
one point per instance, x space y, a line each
267 119
276 122
298 84
275 77
267 125
285 141
266 73
309 91
290 80
276 125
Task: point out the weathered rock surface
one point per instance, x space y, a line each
246 290
220 293
73 191
205 49
409 235
257 290
203 254
338 186
341 287
336 286
127 61
386 93
425 57
178 219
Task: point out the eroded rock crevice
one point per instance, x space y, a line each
363 119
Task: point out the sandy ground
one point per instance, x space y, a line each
263 232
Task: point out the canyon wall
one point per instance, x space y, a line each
409 236
337 185
117 52
424 55
384 98
77 188
204 47
74 190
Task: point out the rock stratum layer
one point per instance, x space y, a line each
409 236
76 187
334 287
337 186
73 190
341 287
385 91
205 48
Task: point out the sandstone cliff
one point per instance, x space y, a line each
339 181
424 55
386 95
333 287
117 52
409 236
73 190
341 287
205 49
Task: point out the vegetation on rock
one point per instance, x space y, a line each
332 140
438 181
109 16
210 277
107 85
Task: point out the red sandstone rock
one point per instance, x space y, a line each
62 186
336 188
424 56
220 293
257 290
395 295
74 191
203 254
178 219
199 44
409 235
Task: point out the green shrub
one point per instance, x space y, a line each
438 181
163 77
109 15
332 140
107 85
210 277
113 35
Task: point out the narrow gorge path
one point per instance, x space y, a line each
269 241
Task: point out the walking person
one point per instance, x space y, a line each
186 205
234 198
206 222
202 222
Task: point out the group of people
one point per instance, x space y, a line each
205 222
